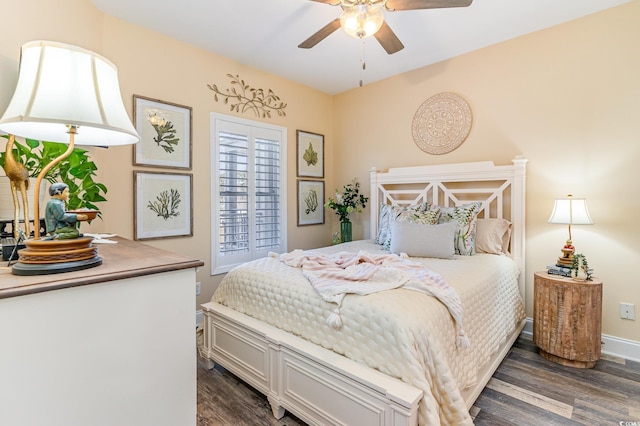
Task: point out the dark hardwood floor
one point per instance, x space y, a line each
529 390
525 390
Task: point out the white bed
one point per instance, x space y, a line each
371 371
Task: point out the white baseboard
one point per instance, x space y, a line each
198 317
611 345
528 327
624 348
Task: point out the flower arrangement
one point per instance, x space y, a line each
348 201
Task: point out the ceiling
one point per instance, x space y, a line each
265 33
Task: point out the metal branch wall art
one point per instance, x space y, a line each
243 97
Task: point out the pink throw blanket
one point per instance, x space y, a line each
335 276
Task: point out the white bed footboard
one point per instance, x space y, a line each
317 385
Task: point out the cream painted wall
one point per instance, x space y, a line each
566 98
67 21
155 66
162 68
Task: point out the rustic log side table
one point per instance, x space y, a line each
567 319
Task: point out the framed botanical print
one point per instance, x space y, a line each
310 154
165 133
163 205
310 202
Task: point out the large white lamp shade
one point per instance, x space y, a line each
61 85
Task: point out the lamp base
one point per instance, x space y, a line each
42 257
54 268
565 261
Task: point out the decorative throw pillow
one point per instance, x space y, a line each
403 214
419 240
384 223
465 218
493 236
387 214
425 217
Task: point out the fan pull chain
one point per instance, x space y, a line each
363 62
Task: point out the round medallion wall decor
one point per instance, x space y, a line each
441 123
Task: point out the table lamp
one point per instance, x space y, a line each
64 94
569 211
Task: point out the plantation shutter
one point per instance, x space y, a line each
248 191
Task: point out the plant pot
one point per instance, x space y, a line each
6 201
345 231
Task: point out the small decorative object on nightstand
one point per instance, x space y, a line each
567 319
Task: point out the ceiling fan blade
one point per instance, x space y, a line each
388 39
323 33
424 4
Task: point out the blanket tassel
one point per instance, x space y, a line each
462 341
334 320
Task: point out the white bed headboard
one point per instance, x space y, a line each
500 188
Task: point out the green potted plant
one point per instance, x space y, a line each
580 268
77 170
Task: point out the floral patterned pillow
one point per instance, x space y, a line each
465 218
388 214
427 217
421 213
384 223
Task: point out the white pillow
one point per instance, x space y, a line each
419 240
493 236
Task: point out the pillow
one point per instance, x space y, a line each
464 217
493 236
384 223
419 240
388 214
425 217
400 214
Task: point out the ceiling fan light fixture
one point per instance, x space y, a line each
361 20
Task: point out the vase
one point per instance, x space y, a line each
345 231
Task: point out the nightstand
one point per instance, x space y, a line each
567 319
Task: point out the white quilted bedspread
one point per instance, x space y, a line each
403 333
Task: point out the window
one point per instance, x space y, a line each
248 191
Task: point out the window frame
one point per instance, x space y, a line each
254 130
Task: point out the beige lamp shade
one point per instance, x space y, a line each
61 85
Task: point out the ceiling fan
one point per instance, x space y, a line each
365 18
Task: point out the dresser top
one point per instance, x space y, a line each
126 259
